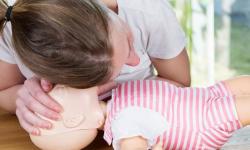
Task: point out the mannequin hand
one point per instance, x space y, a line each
32 97
157 147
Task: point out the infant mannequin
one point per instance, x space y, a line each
81 117
145 113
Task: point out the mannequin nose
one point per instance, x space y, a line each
133 59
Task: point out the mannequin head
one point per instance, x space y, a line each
81 117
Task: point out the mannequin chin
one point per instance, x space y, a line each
81 117
73 140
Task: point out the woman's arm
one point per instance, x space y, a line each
8 98
175 70
10 80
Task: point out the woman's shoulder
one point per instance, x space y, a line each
6 47
111 4
149 7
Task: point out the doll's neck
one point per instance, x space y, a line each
104 110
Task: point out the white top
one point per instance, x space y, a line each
156 31
138 121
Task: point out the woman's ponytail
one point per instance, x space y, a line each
3 10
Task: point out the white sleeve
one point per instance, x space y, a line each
166 37
135 121
6 51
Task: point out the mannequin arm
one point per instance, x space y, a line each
137 143
133 143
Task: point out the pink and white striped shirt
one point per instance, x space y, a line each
195 118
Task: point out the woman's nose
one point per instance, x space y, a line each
133 59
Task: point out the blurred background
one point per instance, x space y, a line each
218 34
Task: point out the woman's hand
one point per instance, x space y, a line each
32 100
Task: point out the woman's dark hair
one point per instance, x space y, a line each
63 41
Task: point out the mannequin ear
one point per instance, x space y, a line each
73 121
82 109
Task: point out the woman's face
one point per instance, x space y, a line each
122 44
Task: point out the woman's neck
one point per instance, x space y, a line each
112 4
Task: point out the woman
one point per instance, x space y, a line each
120 47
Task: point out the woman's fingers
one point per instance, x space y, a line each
26 126
33 100
34 106
34 89
27 116
46 85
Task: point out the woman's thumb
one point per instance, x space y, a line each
46 85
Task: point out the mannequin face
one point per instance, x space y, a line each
81 117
